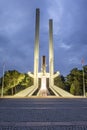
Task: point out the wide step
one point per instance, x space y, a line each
43 126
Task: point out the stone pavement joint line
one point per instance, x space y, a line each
80 123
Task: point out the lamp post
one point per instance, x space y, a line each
82 61
83 83
3 80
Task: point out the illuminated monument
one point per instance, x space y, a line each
38 74
43 75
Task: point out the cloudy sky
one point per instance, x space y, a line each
17 33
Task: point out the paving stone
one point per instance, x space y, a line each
43 114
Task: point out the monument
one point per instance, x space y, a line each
38 74
43 75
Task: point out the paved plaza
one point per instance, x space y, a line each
43 114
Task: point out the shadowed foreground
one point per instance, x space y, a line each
43 114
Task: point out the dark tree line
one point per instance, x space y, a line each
15 81
73 82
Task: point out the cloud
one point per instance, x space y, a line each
13 21
70 41
17 32
65 46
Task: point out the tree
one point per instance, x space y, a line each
11 79
75 81
27 81
75 88
59 81
72 89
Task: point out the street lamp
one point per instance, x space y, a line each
82 61
83 84
3 80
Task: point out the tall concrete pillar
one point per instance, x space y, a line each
51 54
36 49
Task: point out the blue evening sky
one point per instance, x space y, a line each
17 33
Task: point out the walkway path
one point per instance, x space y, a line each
43 114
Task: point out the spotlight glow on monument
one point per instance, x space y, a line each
43 75
43 90
43 83
47 78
